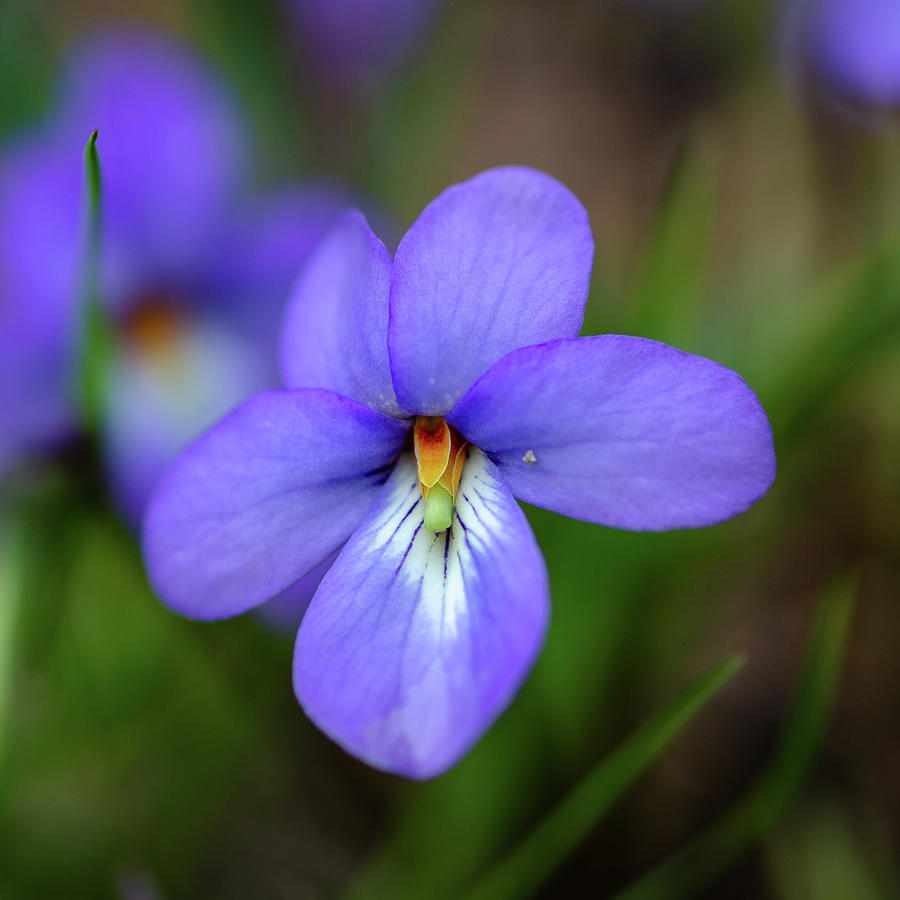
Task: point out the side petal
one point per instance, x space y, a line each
39 251
40 234
415 641
622 431
498 262
263 497
335 330
37 412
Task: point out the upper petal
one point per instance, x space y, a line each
416 641
170 140
622 431
335 330
264 247
262 497
498 262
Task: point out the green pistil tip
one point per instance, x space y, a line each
438 508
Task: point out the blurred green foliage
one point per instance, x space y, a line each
523 871
699 862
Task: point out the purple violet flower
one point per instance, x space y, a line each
852 45
426 393
194 270
356 41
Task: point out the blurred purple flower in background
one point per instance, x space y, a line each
426 393
195 270
38 257
356 41
852 46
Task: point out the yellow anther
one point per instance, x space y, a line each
431 442
440 455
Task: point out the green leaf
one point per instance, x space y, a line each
523 871
35 527
697 864
94 340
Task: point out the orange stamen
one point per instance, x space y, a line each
431 442
440 453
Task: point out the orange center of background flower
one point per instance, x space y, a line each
154 325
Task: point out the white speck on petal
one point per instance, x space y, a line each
529 457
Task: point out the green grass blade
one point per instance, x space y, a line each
698 863
673 274
522 872
820 853
248 43
11 592
94 338
816 369
426 103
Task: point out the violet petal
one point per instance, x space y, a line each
335 331
263 497
498 262
622 431
39 250
416 641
